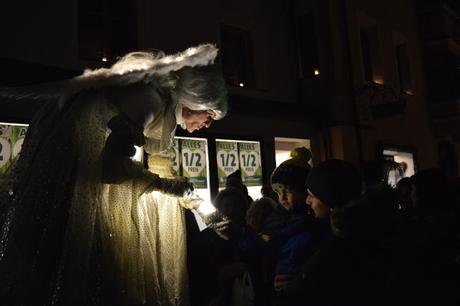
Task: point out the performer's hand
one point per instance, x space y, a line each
221 228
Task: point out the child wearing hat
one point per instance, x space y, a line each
288 181
288 232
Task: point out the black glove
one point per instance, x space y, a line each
221 228
180 186
219 224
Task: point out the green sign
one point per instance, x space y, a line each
193 153
11 140
251 170
175 158
227 160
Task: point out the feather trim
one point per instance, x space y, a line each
132 68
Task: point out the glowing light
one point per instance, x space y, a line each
179 58
167 60
378 80
191 51
409 92
104 59
241 84
316 71
138 156
281 156
206 208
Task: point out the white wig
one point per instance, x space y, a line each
202 88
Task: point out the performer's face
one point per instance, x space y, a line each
196 119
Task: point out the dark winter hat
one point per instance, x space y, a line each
293 172
334 182
234 180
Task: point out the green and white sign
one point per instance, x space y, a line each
227 160
17 139
11 140
175 158
251 170
194 166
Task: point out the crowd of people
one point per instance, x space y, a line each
335 235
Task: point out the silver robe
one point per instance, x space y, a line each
81 226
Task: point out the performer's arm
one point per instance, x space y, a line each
137 110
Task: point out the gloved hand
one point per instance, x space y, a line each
221 228
180 186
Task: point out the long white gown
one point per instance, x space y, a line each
78 226
89 242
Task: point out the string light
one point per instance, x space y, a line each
241 84
191 51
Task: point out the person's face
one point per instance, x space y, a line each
289 198
320 210
196 119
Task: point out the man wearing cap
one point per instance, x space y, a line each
331 184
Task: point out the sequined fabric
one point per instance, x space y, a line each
69 239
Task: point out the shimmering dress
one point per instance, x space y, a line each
79 227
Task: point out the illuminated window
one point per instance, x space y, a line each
370 52
307 46
402 59
106 29
237 58
284 146
401 165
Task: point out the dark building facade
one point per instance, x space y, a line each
345 76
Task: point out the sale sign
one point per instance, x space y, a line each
193 153
11 139
251 170
17 139
227 160
175 158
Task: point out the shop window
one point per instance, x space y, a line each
11 138
400 164
284 146
307 46
402 61
370 52
233 155
106 29
237 57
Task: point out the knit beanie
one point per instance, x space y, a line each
334 182
234 179
293 172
